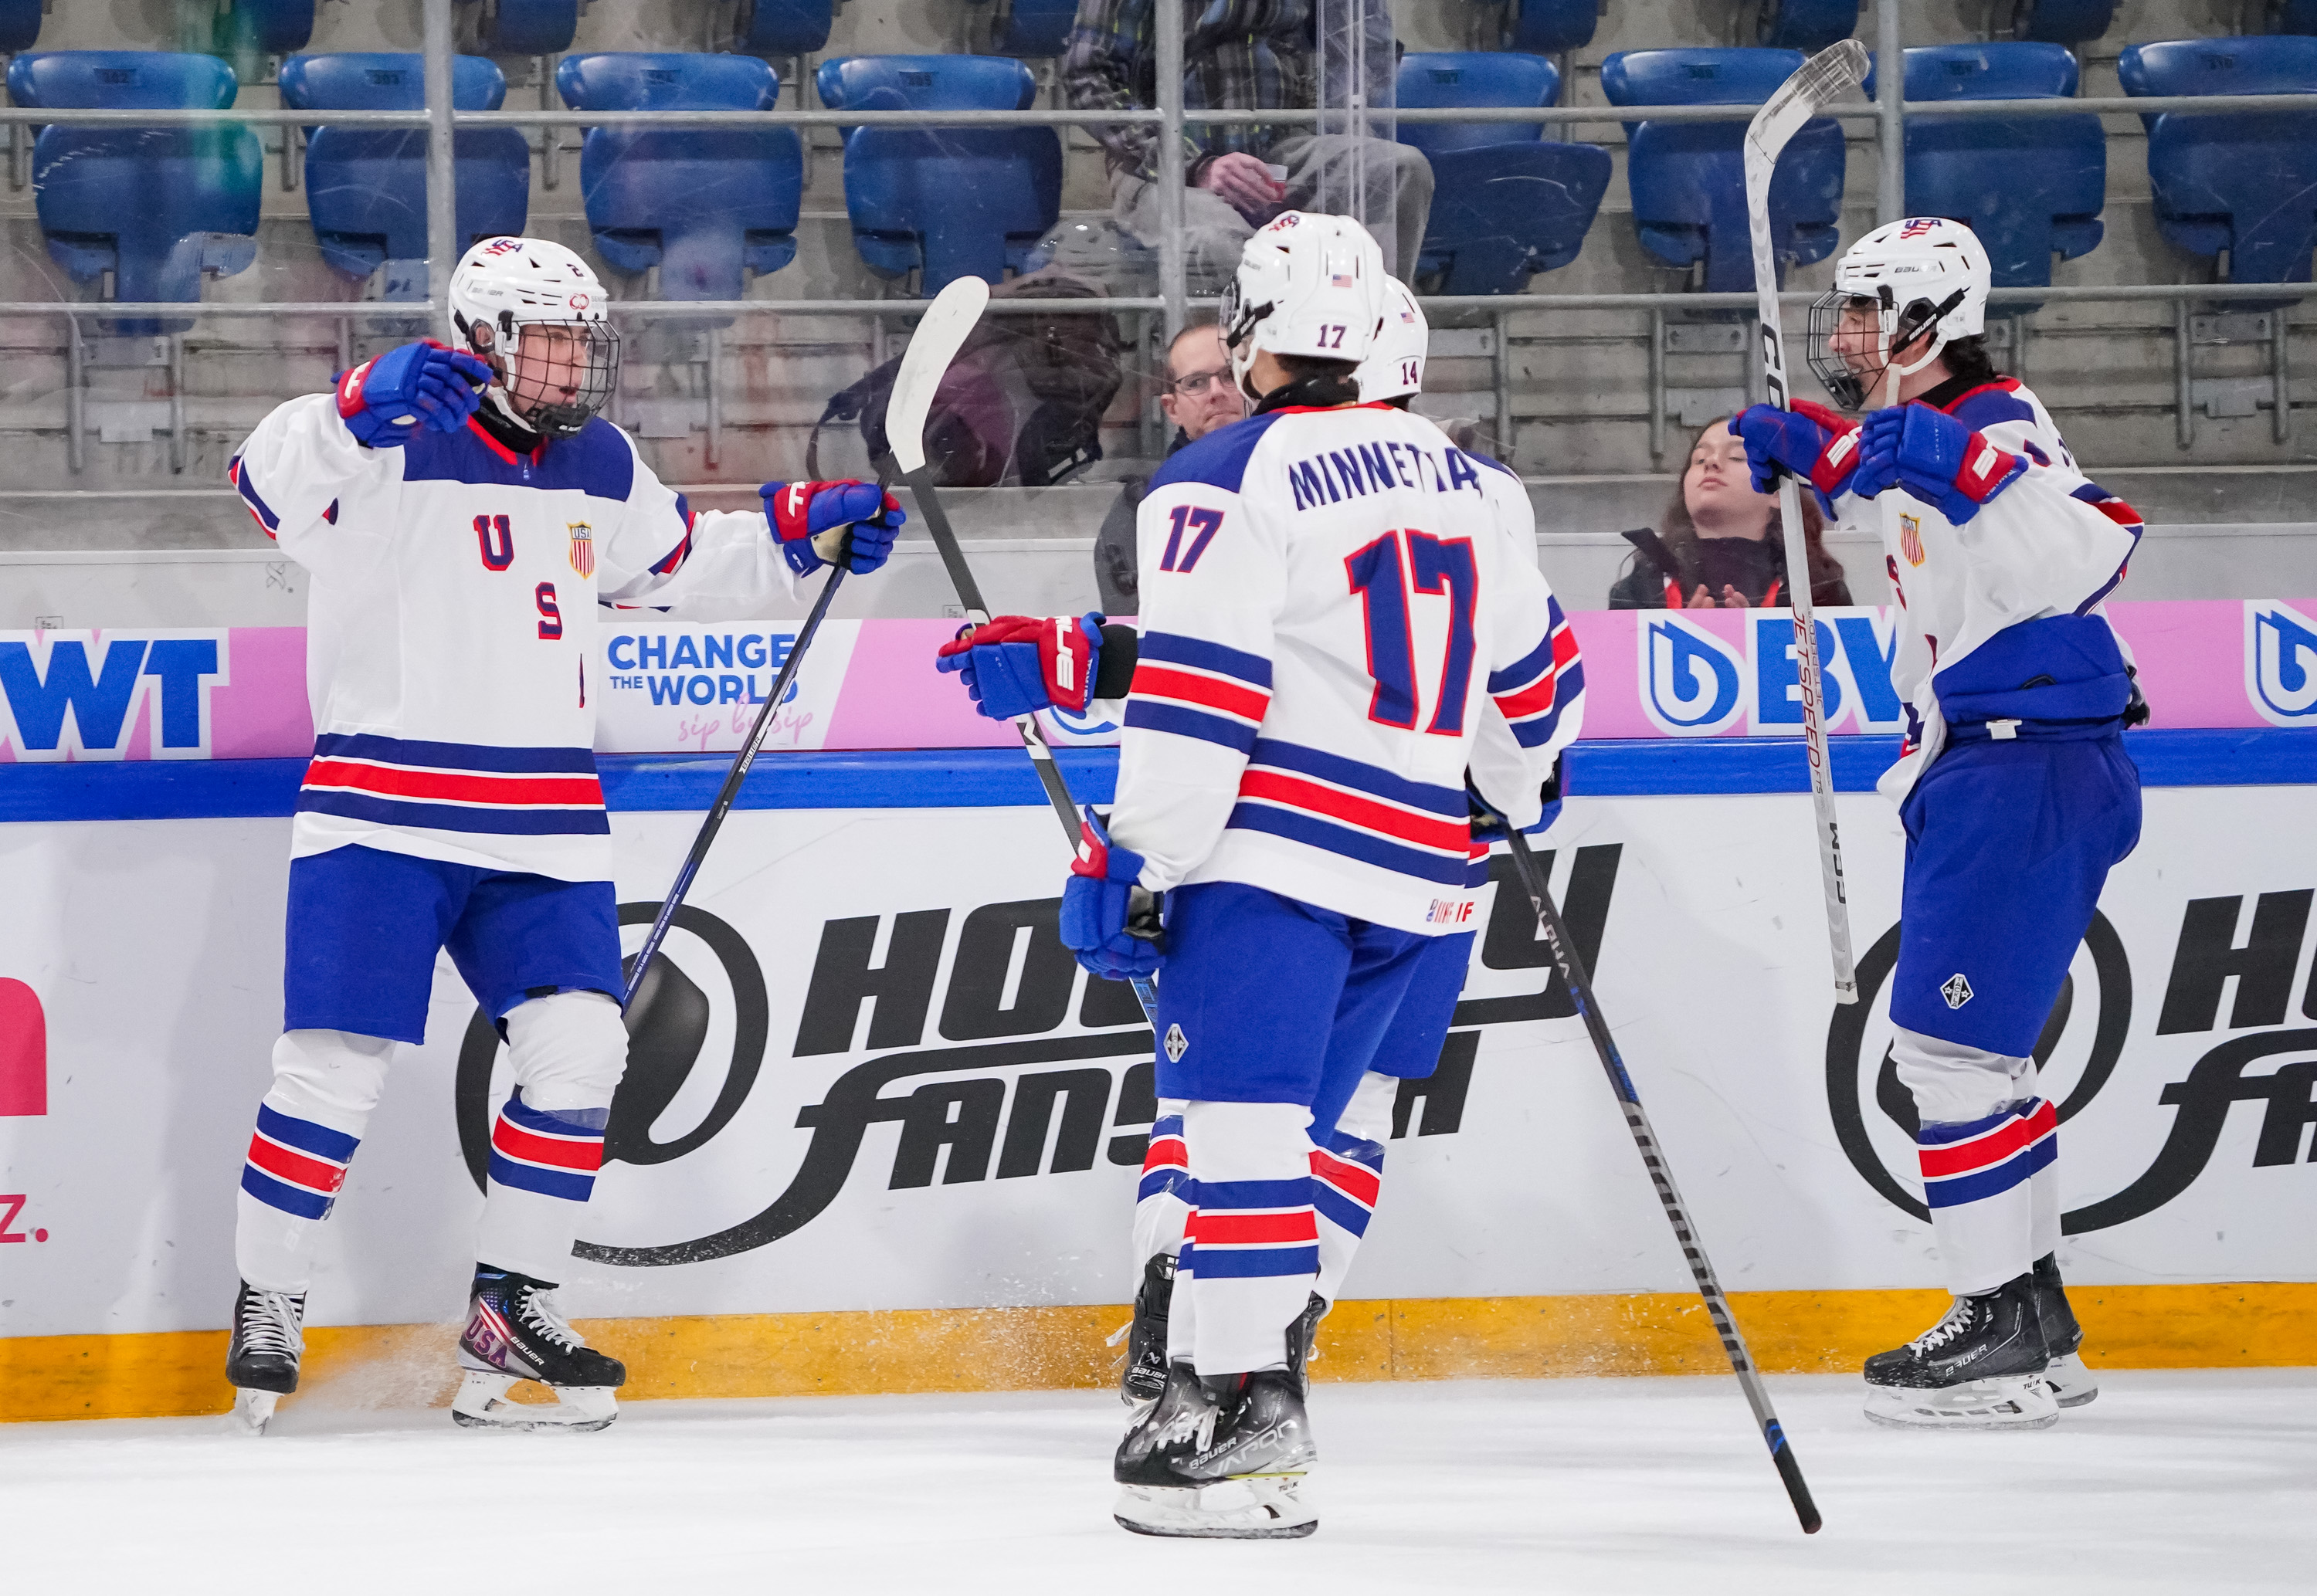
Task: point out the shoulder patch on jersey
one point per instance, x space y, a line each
1992 403
1218 459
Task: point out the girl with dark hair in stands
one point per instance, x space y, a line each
1720 544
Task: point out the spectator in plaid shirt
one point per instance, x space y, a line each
1238 55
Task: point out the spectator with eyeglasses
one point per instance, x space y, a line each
1199 397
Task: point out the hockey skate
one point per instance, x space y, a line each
1219 1459
269 1338
514 1333
1303 1341
1145 1374
2073 1385
1979 1368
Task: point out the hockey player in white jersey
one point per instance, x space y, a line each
1015 665
2013 785
463 513
1331 624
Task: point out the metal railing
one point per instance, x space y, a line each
1173 303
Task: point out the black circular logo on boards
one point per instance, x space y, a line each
667 1028
2109 1014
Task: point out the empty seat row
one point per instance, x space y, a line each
160 207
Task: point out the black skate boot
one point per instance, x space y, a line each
269 1338
1302 1337
2073 1385
514 1333
1979 1368
1222 1457
1145 1375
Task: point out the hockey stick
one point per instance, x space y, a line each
1573 975
960 306
1814 84
931 347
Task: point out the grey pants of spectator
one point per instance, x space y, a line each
1400 183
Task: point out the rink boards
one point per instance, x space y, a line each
891 1140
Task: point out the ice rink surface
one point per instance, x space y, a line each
2171 1482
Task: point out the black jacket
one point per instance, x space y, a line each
1756 569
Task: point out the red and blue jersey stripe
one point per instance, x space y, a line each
1346 1176
1251 1229
465 787
1359 810
1166 1166
2124 516
1535 691
295 1164
553 1153
1965 1163
1196 689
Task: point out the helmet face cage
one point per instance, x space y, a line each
558 374
1237 321
1894 330
1848 387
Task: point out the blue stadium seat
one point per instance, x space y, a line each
1030 27
953 202
1506 202
266 27
366 187
1806 25
1549 26
2029 188
157 206
782 27
524 27
2292 16
2064 21
2243 184
20 25
1688 179
705 205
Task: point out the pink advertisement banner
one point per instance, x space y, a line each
240 693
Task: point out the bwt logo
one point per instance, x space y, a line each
83 695
1036 1070
2281 662
1695 683
2205 959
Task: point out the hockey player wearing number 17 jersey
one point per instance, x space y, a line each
462 513
1015 664
2014 786
1334 631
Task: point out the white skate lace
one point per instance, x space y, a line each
271 1323
539 1315
1958 1321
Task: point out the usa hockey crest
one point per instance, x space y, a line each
1910 538
583 548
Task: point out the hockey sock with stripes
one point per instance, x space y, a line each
1251 1252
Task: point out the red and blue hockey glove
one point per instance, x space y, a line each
385 401
1108 919
809 519
1936 459
1809 442
1019 662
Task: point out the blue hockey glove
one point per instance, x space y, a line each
1936 459
1108 920
1809 442
385 401
1015 663
801 513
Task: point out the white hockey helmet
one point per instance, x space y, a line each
503 285
1923 273
1395 364
1307 284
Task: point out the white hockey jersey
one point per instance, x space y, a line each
450 619
2053 543
1337 619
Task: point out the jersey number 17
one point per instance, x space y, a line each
1382 575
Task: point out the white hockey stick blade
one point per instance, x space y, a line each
1816 84
940 334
